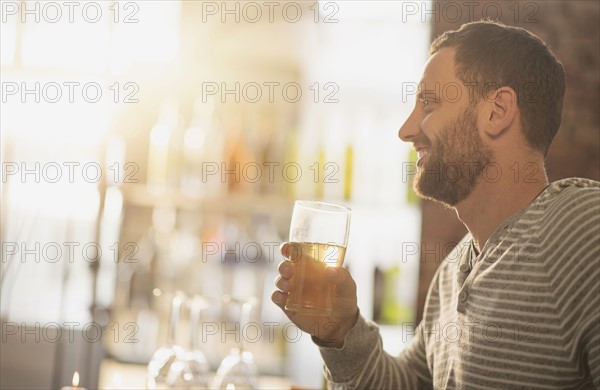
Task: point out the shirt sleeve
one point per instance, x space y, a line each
362 363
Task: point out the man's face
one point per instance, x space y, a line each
443 130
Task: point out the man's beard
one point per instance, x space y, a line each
454 163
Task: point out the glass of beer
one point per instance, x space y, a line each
319 237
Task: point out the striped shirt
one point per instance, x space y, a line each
527 315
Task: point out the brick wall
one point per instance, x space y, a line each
571 28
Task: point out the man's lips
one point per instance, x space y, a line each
422 153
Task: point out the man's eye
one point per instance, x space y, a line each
425 102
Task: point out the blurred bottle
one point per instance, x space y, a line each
237 151
319 172
241 259
389 306
378 285
348 171
274 154
290 156
159 161
115 161
259 132
203 143
335 141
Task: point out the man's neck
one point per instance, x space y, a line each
492 202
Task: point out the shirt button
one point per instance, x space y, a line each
463 296
464 267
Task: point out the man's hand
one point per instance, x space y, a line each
329 330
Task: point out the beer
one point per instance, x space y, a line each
312 293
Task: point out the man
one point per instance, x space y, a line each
516 304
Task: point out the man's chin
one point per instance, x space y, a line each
438 191
447 202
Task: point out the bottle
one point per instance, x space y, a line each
390 307
237 153
203 144
348 171
290 156
160 141
320 172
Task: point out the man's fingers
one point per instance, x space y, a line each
285 249
291 250
283 284
279 299
286 269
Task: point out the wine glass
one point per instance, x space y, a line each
162 359
238 369
190 369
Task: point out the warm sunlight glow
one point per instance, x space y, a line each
76 379
110 35
50 42
8 41
137 39
117 380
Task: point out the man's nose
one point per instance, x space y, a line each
410 129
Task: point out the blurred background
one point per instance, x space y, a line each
151 147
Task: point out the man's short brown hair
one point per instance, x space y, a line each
490 53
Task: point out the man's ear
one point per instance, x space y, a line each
500 110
